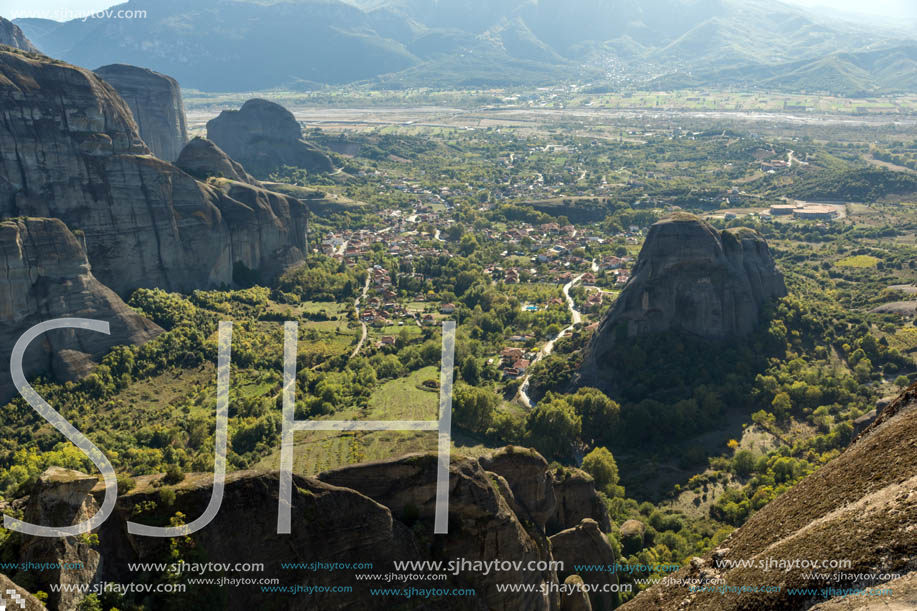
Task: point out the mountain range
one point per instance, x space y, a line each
236 45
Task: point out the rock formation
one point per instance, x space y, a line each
585 544
378 512
15 598
861 507
155 101
203 159
70 149
575 598
44 274
61 498
528 477
690 279
576 500
482 525
12 36
263 137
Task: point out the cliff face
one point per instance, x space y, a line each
376 513
155 101
12 36
44 274
692 279
861 507
69 148
263 137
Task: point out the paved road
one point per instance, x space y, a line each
356 305
577 317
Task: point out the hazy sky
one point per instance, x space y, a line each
879 8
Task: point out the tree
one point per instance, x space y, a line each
782 405
601 416
601 465
743 463
553 427
471 371
474 406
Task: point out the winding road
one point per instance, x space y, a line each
577 318
356 305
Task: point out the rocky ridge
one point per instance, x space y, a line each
860 507
373 512
12 36
155 101
70 149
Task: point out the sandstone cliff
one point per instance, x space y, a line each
373 512
691 279
155 101
263 137
861 507
12 36
70 149
44 274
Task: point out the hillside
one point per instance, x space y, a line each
862 507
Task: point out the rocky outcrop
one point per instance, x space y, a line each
482 525
12 36
263 137
528 477
375 513
14 598
577 500
44 274
203 159
586 544
694 280
575 597
70 149
60 498
155 101
860 507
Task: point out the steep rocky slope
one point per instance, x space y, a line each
860 507
12 36
155 101
691 279
70 149
367 513
44 274
263 137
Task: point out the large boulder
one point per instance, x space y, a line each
155 101
585 544
263 137
690 279
70 149
528 476
44 274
